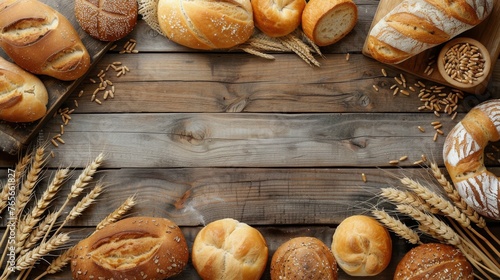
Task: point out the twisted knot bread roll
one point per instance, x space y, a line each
205 24
416 25
23 97
303 258
228 249
132 248
41 40
362 246
463 154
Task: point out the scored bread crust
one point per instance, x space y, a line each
228 249
303 258
277 18
23 97
107 20
362 246
463 154
205 24
41 40
132 248
434 261
317 20
414 26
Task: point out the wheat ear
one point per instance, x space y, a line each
29 183
21 166
118 213
397 226
38 232
83 204
58 263
453 194
4 196
29 259
431 222
405 197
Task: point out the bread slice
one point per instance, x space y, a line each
327 21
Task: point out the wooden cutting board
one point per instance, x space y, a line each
15 137
488 33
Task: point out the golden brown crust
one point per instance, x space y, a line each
23 97
417 28
108 20
384 52
228 249
204 24
277 18
326 22
433 261
133 248
303 258
362 246
42 41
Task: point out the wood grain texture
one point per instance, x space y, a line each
15 137
488 33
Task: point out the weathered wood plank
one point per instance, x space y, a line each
247 140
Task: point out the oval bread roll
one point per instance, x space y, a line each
107 20
362 246
277 18
228 249
23 97
327 21
303 258
206 25
132 248
434 261
41 40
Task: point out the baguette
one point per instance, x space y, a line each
23 97
414 26
41 40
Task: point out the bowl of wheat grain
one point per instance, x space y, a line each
464 62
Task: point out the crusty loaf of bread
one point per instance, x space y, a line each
362 246
107 20
132 248
303 258
327 21
23 97
434 261
417 25
205 24
229 249
277 18
41 40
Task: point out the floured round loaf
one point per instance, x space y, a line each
107 20
206 25
132 248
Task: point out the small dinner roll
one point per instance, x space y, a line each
434 261
228 249
303 258
362 246
277 18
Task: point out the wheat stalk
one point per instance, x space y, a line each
397 226
405 197
4 196
453 194
86 176
28 185
29 259
58 263
118 213
430 222
38 232
83 204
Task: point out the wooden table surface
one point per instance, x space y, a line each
278 144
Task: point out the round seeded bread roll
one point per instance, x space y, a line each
362 246
433 261
206 25
327 21
107 20
277 18
303 258
23 96
228 249
132 248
